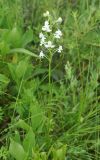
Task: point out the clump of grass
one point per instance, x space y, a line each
57 116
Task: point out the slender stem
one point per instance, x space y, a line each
49 72
50 60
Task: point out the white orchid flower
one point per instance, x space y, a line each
46 27
41 55
49 45
59 20
58 34
60 49
46 14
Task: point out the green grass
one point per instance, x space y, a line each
49 110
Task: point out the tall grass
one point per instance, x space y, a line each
53 118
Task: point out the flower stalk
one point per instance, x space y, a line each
50 36
50 60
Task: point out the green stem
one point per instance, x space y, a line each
49 72
50 60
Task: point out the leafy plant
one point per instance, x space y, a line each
49 80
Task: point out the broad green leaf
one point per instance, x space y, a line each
17 151
3 82
59 154
17 137
37 116
14 37
4 47
39 71
27 37
3 79
21 68
22 124
29 141
12 69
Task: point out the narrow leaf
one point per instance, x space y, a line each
22 50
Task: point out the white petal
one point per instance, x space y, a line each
41 55
58 34
46 22
42 36
46 14
60 49
59 20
